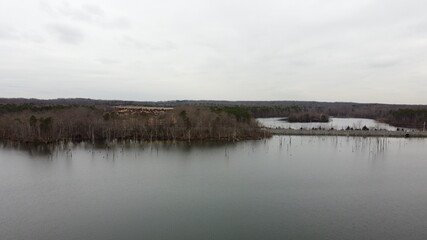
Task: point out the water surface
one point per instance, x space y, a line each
335 123
281 188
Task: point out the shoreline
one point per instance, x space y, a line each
346 133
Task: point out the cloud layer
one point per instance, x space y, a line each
364 51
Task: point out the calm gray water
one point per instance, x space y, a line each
281 188
336 123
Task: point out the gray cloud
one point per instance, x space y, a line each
89 13
157 46
132 42
384 64
329 50
7 33
66 33
107 61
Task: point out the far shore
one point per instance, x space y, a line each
348 133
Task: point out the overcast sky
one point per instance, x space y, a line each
324 50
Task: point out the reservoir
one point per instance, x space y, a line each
334 123
285 187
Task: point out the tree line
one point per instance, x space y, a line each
395 114
412 118
92 123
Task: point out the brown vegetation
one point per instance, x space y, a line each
104 123
407 117
398 115
308 117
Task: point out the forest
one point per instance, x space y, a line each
413 118
52 123
89 119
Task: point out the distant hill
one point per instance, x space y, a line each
173 103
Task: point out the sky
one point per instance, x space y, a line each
314 50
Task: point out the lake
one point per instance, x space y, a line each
285 187
335 123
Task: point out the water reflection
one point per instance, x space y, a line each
113 148
286 187
373 146
360 144
33 150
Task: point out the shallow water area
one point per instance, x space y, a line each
285 187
